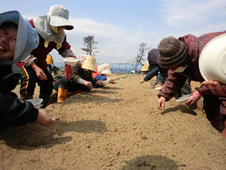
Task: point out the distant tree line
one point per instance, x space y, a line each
90 48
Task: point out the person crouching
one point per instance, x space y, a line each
80 80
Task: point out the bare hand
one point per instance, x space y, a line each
88 84
40 74
216 87
100 83
194 98
142 81
44 119
161 103
112 81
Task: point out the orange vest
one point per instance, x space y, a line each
95 74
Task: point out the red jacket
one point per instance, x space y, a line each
41 52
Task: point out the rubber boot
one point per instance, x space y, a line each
61 95
45 101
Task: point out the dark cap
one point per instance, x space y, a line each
153 56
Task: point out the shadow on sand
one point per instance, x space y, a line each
151 162
34 136
182 108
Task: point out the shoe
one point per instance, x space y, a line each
158 88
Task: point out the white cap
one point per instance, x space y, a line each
104 69
58 16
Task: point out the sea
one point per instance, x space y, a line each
116 68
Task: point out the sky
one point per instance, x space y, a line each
120 26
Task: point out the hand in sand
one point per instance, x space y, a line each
100 83
44 119
142 81
88 84
161 103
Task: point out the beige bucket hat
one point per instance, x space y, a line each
89 63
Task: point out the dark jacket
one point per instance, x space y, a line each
176 80
12 110
153 56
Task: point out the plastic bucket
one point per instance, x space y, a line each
37 102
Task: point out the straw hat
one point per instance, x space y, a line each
104 69
145 67
27 37
89 63
58 16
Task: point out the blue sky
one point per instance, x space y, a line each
120 26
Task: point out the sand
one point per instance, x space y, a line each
116 127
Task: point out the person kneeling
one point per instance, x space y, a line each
80 80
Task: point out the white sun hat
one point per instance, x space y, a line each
104 69
89 63
58 16
72 61
27 36
213 59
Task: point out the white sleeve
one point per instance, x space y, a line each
67 53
